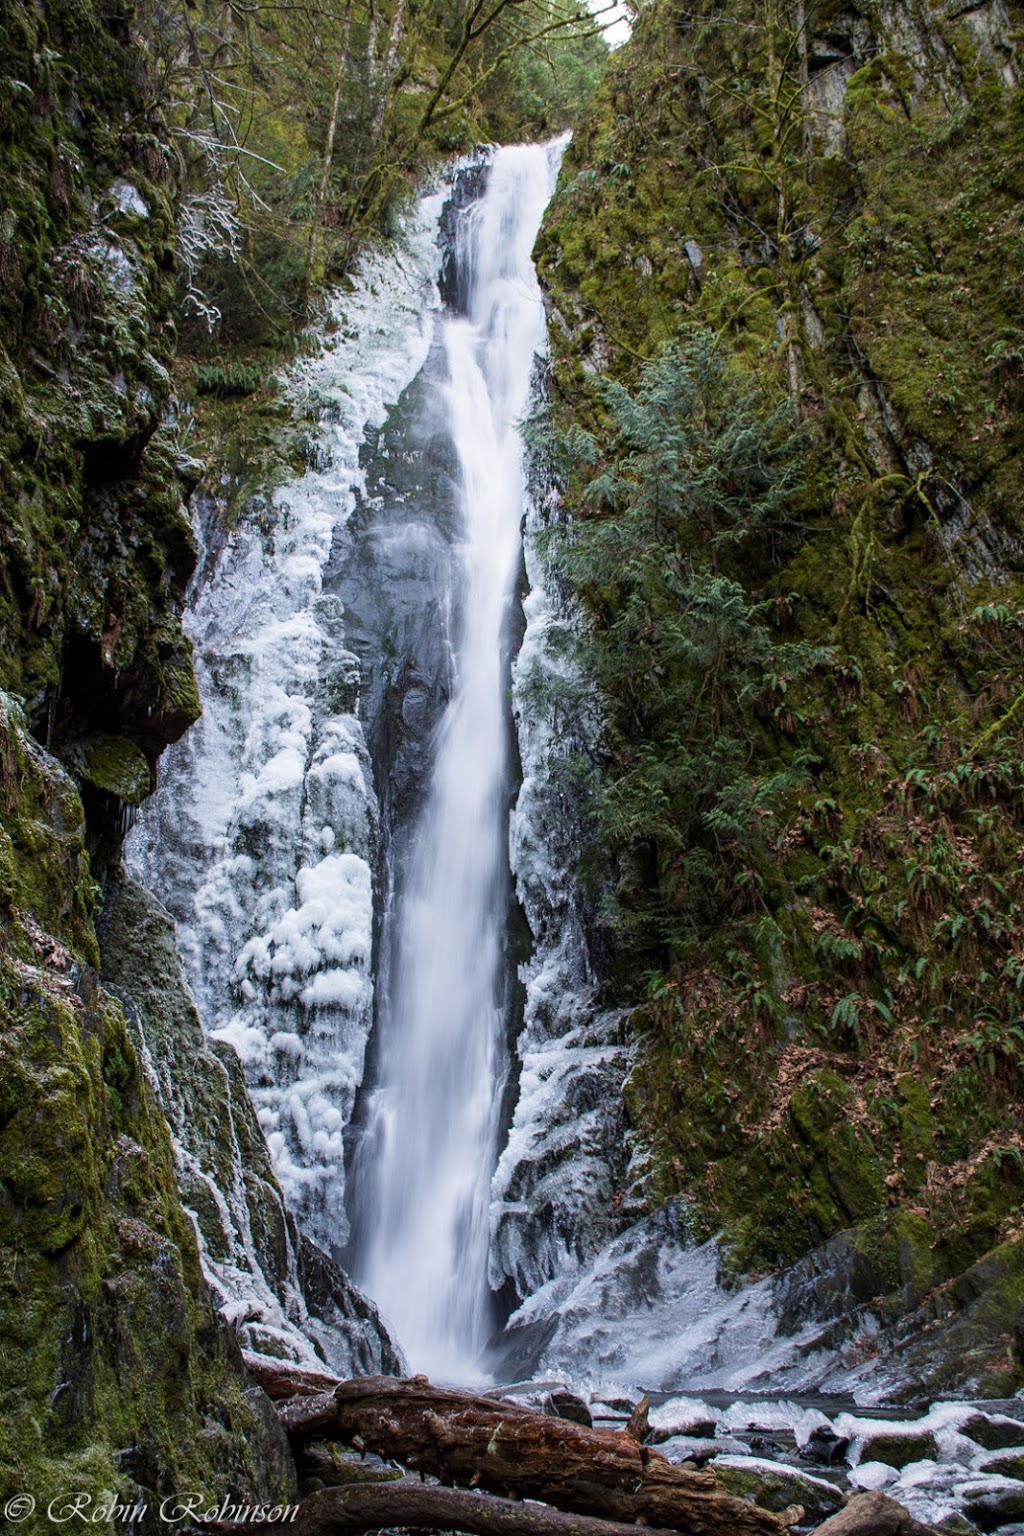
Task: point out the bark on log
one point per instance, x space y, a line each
510 1450
873 1514
639 1421
412 1505
281 1380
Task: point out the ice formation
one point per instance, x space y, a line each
261 839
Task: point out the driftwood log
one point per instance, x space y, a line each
519 1453
594 1482
280 1379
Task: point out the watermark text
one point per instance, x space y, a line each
77 1509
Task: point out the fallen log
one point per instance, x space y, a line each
281 1379
415 1506
520 1453
873 1514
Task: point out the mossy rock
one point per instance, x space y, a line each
111 1340
899 1450
118 768
815 1175
994 1432
992 1507
776 1487
110 1333
1008 1464
98 548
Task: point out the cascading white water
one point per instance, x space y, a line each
429 1143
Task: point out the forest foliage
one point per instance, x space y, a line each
683 495
802 603
300 129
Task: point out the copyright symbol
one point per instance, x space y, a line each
20 1507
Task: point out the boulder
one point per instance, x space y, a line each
995 1432
773 1486
993 1501
681 1416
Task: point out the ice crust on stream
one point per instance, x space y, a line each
956 1467
261 839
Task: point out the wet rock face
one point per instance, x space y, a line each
118 1373
454 277
396 572
655 1307
98 548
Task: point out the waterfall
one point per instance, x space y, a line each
334 842
429 1143
281 824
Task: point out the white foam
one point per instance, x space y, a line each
432 1118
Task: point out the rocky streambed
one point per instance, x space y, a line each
957 1467
544 1458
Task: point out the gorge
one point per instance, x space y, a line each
587 909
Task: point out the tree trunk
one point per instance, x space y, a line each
325 173
387 71
517 1451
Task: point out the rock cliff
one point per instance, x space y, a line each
828 197
120 1369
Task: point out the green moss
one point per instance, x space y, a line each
44 869
250 446
811 1177
919 1266
119 768
843 1051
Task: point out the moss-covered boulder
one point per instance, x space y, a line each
771 1485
